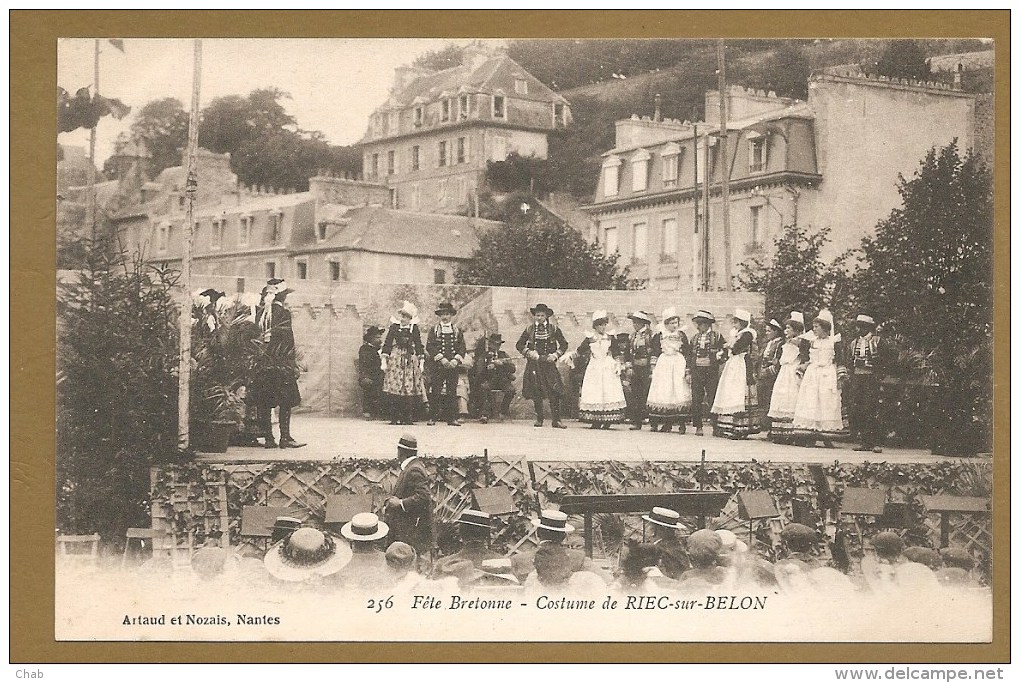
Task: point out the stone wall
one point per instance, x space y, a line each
329 321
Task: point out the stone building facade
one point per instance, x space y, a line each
431 141
832 161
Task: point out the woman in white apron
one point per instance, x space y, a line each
669 394
736 399
792 363
819 410
602 401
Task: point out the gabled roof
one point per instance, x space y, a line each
389 231
496 73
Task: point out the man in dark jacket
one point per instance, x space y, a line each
475 530
370 373
276 385
867 359
639 360
445 351
673 560
409 509
543 343
493 370
706 346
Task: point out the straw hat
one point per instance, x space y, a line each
364 526
664 517
553 520
307 553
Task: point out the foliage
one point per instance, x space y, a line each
266 147
163 126
927 273
519 174
116 391
784 71
535 249
795 277
903 59
438 60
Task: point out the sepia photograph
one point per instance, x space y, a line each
633 340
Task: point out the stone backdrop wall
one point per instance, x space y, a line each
329 321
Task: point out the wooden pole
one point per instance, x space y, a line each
191 186
725 159
697 215
90 200
706 269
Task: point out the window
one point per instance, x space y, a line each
244 236
446 110
393 198
415 198
375 165
274 229
639 170
270 270
611 176
321 231
442 152
461 150
669 239
302 270
180 202
391 162
443 192
559 115
464 106
419 116
756 227
393 122
216 236
461 196
520 86
757 153
670 164
439 276
640 241
499 107
164 238
334 271
612 241
415 158
499 148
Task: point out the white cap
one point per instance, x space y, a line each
865 319
669 313
599 315
742 314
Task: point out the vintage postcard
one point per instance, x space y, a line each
526 339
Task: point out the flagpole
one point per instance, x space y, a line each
191 186
90 201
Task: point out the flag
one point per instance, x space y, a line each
117 43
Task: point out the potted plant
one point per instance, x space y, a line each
224 409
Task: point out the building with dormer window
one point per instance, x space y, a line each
431 141
830 162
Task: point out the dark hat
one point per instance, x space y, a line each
553 520
279 284
664 517
703 316
408 443
400 555
475 518
372 331
887 543
306 553
496 338
957 558
798 536
541 308
364 526
925 556
704 545
865 319
213 294
446 307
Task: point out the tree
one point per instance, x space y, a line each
438 60
795 278
535 249
903 59
116 390
518 174
163 126
928 273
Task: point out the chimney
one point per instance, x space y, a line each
958 76
475 55
404 76
658 107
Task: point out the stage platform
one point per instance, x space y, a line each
330 438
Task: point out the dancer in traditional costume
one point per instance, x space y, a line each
669 395
446 351
768 369
736 399
868 358
706 346
543 343
602 401
640 361
403 360
793 359
819 411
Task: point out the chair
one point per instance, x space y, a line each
83 549
155 536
